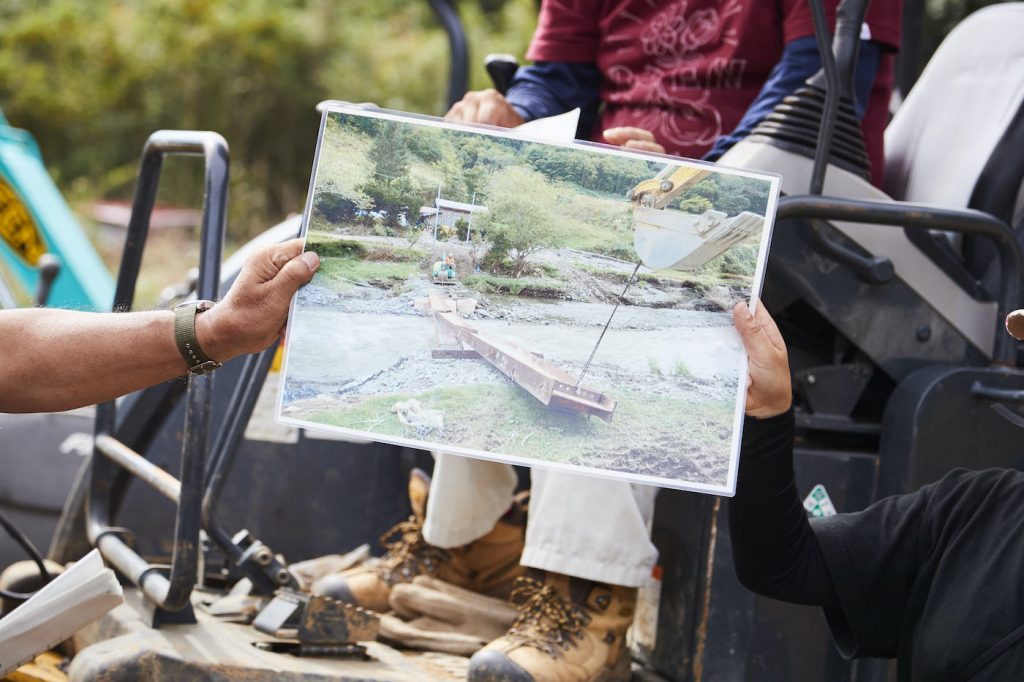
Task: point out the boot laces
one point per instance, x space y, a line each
408 553
546 620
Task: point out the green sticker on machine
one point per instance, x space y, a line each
818 503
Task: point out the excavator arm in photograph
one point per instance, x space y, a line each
669 238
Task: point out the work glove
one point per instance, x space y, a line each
432 615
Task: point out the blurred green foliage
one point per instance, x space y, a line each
91 80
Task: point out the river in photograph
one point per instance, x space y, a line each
330 346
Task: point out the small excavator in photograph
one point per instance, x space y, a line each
442 272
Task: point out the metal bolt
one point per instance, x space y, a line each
810 379
283 576
263 556
924 332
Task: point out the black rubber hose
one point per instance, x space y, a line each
845 44
458 79
33 553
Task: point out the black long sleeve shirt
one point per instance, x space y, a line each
934 577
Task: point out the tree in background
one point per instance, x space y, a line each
730 194
338 209
695 205
453 182
389 153
612 175
395 193
521 218
477 248
477 178
91 80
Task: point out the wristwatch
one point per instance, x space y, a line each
185 337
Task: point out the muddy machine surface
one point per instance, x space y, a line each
890 305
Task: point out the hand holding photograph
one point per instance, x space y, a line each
558 305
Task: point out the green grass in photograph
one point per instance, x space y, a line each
536 287
335 248
343 160
342 274
504 419
347 263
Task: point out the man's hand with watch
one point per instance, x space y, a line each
251 315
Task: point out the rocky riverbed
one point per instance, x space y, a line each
361 359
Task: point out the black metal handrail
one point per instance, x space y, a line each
458 77
924 217
253 558
111 458
831 108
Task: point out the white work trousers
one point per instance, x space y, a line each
583 526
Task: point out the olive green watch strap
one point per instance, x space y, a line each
185 337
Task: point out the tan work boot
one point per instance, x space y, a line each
489 565
568 630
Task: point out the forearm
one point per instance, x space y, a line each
552 88
774 548
61 359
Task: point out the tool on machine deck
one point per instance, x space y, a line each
322 626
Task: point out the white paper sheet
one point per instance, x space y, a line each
560 128
72 600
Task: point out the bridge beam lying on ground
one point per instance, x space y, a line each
543 380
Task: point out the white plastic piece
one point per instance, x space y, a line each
975 319
944 132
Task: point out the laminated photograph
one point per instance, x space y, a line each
496 294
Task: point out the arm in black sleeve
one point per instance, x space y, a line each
552 88
774 548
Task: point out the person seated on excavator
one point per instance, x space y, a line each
686 78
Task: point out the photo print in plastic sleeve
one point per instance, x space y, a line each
490 294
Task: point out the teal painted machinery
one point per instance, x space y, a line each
34 221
